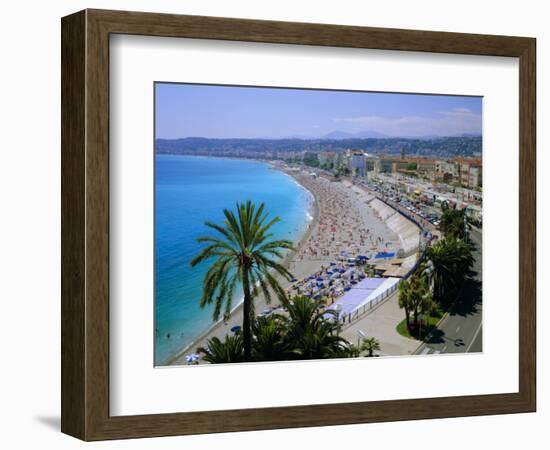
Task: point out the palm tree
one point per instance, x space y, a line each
421 296
269 342
451 259
312 331
243 253
415 297
454 223
370 345
228 351
405 300
353 351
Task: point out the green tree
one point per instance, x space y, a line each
245 253
312 331
454 223
370 345
415 297
353 351
405 300
229 351
451 259
269 342
422 297
311 159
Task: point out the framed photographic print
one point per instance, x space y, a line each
267 224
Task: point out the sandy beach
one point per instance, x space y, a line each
343 225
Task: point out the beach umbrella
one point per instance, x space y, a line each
191 358
235 328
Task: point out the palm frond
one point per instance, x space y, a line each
227 233
209 252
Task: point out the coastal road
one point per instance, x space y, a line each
460 331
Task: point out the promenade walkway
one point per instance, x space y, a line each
381 324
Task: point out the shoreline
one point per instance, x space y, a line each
329 237
260 303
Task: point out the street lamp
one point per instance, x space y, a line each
360 335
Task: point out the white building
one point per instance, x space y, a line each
358 164
362 162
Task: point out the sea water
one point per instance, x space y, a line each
190 190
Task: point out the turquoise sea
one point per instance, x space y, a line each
188 191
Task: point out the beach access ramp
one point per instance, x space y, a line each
407 231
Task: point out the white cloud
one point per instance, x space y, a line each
446 123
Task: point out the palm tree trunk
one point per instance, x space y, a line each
437 289
247 333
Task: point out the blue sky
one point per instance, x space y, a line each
184 110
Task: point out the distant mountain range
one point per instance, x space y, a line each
374 135
426 146
339 135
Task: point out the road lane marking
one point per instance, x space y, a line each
474 337
425 351
457 329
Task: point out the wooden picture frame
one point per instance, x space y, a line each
85 224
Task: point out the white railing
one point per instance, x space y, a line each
349 318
